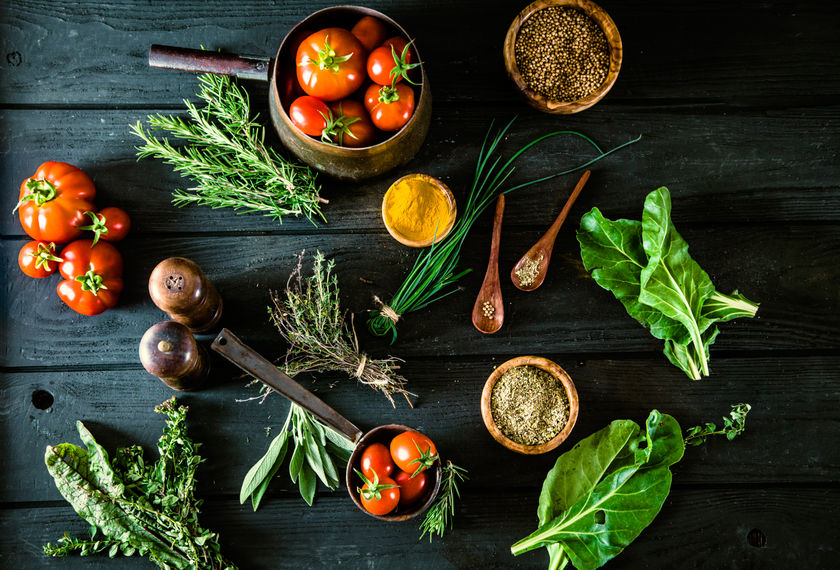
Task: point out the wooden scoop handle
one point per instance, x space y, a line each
203 61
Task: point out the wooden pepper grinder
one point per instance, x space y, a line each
169 351
178 286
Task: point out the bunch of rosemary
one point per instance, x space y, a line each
134 506
440 515
309 317
227 158
434 271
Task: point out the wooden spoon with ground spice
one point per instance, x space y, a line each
530 271
489 312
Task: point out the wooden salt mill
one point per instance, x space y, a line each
178 286
169 351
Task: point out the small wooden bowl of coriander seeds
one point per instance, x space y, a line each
563 55
529 404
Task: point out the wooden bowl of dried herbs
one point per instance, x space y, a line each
563 55
529 404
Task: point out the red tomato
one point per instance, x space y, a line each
330 64
413 452
411 488
111 224
376 461
37 259
380 496
53 200
389 108
390 63
93 276
369 31
310 115
352 126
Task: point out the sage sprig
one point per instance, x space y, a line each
319 452
135 506
733 426
439 517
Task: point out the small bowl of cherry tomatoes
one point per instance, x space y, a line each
394 473
352 97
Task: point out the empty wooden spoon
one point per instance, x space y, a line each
529 272
489 312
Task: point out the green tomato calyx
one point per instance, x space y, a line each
91 282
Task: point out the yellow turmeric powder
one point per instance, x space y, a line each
416 209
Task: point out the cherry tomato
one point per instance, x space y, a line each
93 276
111 224
38 259
310 115
399 43
330 64
376 461
390 63
389 108
352 127
53 201
411 488
380 496
413 452
369 31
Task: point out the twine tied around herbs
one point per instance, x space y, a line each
361 369
386 311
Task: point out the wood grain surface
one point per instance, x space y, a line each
739 110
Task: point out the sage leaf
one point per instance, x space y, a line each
296 463
262 468
307 484
258 493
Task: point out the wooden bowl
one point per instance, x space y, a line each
541 102
384 435
341 162
553 369
442 232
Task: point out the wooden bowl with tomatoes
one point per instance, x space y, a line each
319 76
384 450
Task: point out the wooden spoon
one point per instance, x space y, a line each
540 253
489 312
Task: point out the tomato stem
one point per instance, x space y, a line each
388 94
401 65
328 59
40 190
337 127
374 489
97 226
46 254
91 282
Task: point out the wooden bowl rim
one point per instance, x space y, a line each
342 150
453 211
541 102
350 476
552 368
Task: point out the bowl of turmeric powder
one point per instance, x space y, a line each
418 210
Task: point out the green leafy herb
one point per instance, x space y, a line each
134 506
319 451
309 317
606 490
435 270
647 267
227 158
440 515
733 426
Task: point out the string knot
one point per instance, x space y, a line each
387 311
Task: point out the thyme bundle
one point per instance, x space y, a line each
135 506
435 270
227 158
309 317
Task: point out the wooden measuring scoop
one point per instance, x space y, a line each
489 312
529 272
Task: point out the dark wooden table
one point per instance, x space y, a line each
738 105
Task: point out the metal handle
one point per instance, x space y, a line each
201 61
260 368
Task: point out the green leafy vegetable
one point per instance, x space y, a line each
227 159
646 265
607 489
733 426
134 506
318 449
440 515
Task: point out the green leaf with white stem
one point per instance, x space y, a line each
722 308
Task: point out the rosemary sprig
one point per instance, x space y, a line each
227 159
309 317
440 516
733 426
434 271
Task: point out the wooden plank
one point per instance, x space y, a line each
570 313
117 407
101 49
697 528
765 167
